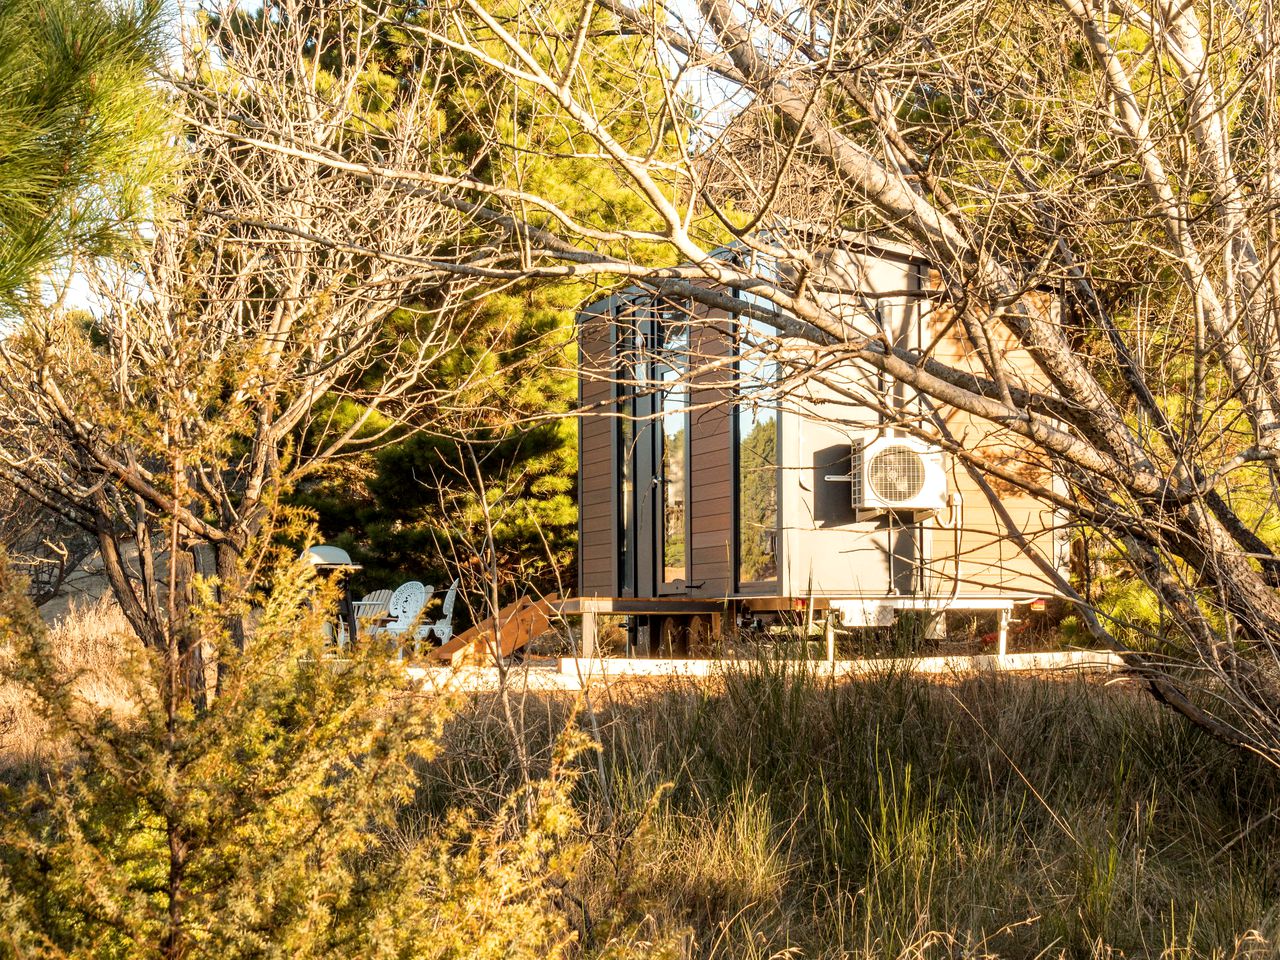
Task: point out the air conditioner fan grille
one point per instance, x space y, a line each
896 474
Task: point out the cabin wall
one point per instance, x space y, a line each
826 551
965 549
597 466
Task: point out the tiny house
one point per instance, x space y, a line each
725 470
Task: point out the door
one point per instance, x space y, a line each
652 450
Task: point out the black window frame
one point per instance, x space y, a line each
622 340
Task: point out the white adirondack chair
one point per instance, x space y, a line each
404 607
336 635
372 605
441 631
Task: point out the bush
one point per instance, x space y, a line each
269 823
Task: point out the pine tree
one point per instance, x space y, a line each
82 134
498 465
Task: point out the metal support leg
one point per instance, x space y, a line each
1003 648
830 631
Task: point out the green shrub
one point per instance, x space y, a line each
273 821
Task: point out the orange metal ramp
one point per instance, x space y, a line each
514 626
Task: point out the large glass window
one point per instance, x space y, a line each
672 334
624 405
652 404
756 457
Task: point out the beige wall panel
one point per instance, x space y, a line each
987 555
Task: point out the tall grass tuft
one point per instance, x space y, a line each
93 644
771 812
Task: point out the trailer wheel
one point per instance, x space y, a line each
702 641
673 637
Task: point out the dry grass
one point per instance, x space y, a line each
772 814
93 643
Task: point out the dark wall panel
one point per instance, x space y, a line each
597 493
711 464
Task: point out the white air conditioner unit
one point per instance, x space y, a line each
898 474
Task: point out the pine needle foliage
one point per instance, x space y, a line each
83 135
271 823
498 460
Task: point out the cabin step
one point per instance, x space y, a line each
514 626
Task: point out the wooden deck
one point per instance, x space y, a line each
519 623
641 605
514 626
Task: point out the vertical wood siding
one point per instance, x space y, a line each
710 460
597 486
